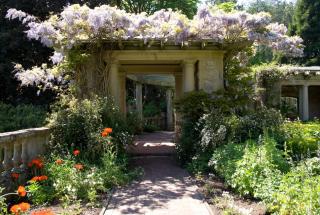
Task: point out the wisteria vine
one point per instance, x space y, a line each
76 24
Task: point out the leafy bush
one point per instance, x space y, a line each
77 124
246 167
191 106
21 117
302 139
299 190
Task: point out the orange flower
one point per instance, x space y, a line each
76 152
39 178
106 132
22 207
35 178
15 176
22 191
43 178
38 163
59 161
78 166
43 212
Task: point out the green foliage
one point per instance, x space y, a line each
21 117
69 184
299 190
151 109
3 204
306 24
251 166
77 124
300 139
194 104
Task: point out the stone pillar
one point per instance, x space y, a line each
169 109
305 103
122 92
114 82
188 75
139 99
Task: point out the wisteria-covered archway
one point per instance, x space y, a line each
77 25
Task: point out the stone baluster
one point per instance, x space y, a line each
16 155
24 154
7 160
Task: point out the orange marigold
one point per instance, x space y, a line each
43 212
37 162
39 178
35 178
78 166
59 161
43 178
21 191
76 152
15 176
22 207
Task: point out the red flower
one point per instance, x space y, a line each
106 132
38 163
76 152
22 207
59 161
21 191
43 212
78 166
15 176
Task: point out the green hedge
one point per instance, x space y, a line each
21 117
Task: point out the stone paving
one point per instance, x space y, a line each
156 143
165 188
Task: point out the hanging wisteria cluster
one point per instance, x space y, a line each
76 24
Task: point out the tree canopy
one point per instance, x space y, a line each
306 23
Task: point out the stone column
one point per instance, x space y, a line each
305 103
188 75
114 82
122 92
169 109
139 99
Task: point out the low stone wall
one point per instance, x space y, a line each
18 148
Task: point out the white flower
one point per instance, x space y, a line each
57 57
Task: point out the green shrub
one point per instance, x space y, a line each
191 107
248 167
259 121
302 139
77 124
299 190
21 117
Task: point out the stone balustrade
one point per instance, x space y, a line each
17 148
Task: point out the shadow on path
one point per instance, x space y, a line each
164 189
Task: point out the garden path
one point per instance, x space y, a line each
165 188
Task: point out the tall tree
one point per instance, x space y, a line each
281 12
306 23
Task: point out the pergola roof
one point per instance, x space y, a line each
159 80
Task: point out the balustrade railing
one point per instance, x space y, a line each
17 148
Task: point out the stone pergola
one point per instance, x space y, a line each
302 83
198 66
